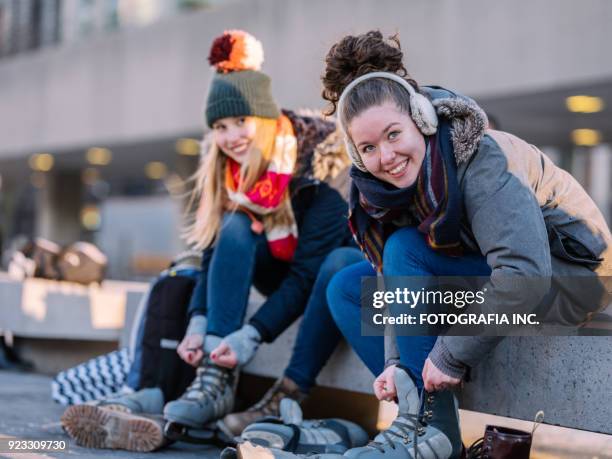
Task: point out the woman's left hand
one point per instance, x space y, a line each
237 348
224 356
434 380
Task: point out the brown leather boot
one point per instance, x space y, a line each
501 443
233 424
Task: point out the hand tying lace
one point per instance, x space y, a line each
237 348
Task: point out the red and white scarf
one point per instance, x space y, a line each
268 202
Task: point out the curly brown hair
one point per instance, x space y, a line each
354 56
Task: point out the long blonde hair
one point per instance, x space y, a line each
209 196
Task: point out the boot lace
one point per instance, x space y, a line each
270 402
414 426
208 385
476 449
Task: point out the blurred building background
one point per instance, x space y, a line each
101 101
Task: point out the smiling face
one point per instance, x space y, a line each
234 136
390 145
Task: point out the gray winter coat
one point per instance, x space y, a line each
524 214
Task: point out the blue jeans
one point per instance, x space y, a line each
406 253
318 335
241 258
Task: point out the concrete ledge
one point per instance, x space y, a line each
43 309
39 308
344 370
567 377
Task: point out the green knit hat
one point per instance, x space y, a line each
238 88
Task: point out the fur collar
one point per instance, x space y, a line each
330 157
468 124
323 154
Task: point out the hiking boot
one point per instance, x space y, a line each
99 427
145 401
430 435
440 411
303 437
233 424
413 435
209 397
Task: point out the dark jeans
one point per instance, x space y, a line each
241 258
318 335
406 253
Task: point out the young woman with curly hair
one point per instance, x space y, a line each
436 193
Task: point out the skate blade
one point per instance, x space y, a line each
225 435
180 432
96 427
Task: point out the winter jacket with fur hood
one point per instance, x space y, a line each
524 214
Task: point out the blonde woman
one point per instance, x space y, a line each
265 217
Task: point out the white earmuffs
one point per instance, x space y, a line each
422 111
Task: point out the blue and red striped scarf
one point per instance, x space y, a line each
432 203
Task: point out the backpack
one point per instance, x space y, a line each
156 362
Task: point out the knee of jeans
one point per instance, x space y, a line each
337 260
338 293
403 248
236 225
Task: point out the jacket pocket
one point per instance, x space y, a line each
575 243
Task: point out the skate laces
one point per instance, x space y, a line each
410 423
476 449
209 383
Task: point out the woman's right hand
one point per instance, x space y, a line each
190 349
384 385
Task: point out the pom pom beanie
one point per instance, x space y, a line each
238 88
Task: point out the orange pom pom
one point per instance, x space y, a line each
236 50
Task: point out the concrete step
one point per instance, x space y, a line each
567 377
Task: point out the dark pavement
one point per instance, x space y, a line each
28 412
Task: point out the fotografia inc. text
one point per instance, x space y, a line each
455 319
